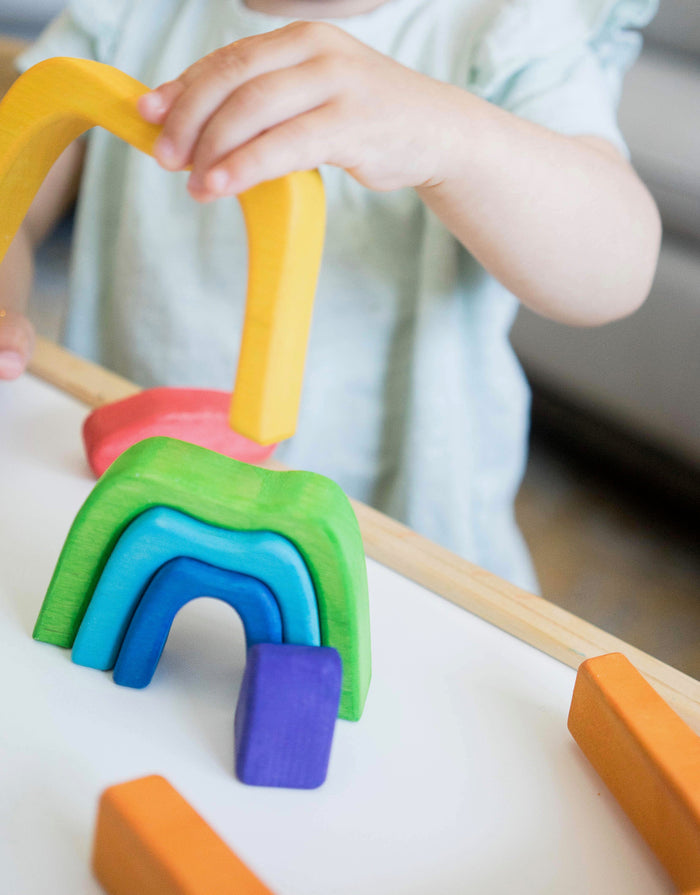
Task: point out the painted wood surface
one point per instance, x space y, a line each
647 756
159 535
285 715
150 841
177 583
559 633
310 511
197 415
56 101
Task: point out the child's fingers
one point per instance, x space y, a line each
211 80
296 145
16 343
156 105
257 106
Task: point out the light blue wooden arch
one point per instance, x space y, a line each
161 534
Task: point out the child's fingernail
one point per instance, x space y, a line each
165 152
218 180
153 102
11 364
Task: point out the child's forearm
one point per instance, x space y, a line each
563 222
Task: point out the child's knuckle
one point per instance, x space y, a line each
302 135
210 146
251 96
246 166
333 68
318 34
232 62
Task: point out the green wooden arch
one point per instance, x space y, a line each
308 509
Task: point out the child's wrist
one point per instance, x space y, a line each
462 136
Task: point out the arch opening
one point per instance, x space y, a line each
177 583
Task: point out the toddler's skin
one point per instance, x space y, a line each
563 222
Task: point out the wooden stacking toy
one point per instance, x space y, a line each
160 534
170 520
648 757
191 414
163 499
54 102
175 584
150 841
286 714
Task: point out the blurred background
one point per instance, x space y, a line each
611 502
610 505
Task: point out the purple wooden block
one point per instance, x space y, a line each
286 714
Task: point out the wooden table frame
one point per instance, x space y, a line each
529 618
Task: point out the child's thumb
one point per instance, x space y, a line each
16 343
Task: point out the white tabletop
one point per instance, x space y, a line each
460 777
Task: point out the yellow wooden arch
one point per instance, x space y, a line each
59 99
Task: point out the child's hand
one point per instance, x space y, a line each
293 99
16 343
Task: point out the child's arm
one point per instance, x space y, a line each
563 222
53 199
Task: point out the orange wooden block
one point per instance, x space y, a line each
150 841
648 757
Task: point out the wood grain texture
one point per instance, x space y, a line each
177 583
647 756
536 621
285 715
88 382
159 535
150 841
47 108
309 510
56 101
286 225
530 618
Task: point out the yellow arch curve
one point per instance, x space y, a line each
57 100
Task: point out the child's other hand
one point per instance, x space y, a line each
16 343
305 95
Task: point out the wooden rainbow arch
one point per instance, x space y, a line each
56 101
308 510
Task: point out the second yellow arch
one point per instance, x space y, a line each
57 100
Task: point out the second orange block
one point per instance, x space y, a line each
150 841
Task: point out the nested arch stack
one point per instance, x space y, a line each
289 542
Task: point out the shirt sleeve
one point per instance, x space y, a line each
561 63
86 29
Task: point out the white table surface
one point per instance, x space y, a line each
460 777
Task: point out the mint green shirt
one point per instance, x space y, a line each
413 398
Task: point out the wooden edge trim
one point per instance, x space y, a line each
532 619
84 380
